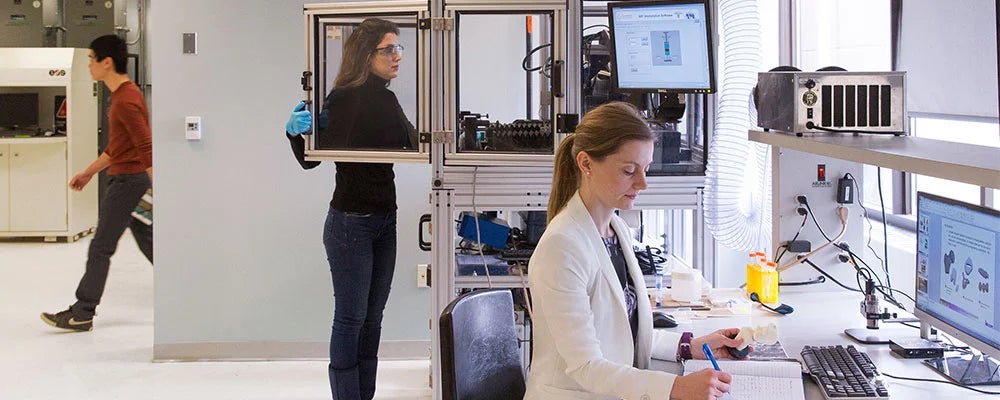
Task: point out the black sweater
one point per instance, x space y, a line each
365 117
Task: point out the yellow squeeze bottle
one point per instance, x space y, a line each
769 283
753 274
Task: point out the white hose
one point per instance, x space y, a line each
738 179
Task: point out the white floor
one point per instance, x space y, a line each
114 361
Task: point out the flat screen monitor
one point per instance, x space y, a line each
662 46
18 109
958 251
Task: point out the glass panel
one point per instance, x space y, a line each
972 132
852 34
27 111
334 33
504 101
870 196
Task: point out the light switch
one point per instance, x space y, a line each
190 42
192 129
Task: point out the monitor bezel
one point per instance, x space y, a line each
926 316
710 41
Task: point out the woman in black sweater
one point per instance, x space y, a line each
360 229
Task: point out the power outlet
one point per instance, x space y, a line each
422 274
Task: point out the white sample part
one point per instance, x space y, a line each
766 334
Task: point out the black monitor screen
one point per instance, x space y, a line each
18 109
663 46
958 252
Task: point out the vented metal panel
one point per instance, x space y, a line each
21 24
856 106
87 20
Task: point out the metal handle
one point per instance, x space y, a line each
424 245
557 78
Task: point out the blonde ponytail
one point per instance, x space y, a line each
601 132
565 177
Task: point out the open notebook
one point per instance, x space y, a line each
770 380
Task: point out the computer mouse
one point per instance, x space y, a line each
662 320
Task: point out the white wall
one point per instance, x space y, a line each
239 254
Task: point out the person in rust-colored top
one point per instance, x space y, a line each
128 158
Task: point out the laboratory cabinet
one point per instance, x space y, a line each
48 133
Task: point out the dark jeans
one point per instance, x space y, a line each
115 214
361 249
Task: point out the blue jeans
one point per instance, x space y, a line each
361 249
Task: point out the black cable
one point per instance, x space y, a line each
784 248
813 216
812 125
868 220
594 26
907 324
818 280
885 230
527 58
938 381
817 268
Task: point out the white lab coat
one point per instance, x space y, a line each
582 345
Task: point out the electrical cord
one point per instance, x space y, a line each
527 59
885 230
817 268
938 381
784 248
868 220
843 214
818 280
812 125
475 217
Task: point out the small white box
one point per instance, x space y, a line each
192 128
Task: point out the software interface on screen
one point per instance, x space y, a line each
661 47
957 259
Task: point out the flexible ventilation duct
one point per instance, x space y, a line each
738 179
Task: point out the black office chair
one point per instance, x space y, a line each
479 355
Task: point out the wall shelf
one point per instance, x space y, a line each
978 165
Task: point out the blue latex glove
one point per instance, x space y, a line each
300 121
324 118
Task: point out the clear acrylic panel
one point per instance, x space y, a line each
504 98
334 33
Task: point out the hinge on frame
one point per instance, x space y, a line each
436 24
437 137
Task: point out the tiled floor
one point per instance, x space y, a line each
114 361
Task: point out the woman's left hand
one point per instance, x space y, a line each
718 341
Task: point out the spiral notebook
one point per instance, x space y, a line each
764 380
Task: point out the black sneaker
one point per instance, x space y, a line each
65 320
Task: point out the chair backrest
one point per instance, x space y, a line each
479 354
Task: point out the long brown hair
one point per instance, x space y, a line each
359 49
601 132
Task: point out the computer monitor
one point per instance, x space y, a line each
958 252
662 46
18 109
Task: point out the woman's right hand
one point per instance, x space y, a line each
707 384
300 121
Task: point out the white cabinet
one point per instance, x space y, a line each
38 187
35 199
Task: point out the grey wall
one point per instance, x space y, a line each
239 254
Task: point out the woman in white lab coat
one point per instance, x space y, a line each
592 322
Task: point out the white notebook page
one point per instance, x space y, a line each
752 380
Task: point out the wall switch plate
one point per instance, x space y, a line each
190 42
192 128
422 275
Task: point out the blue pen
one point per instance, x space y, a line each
711 357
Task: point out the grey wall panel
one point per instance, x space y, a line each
239 253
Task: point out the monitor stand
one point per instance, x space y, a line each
879 336
968 369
